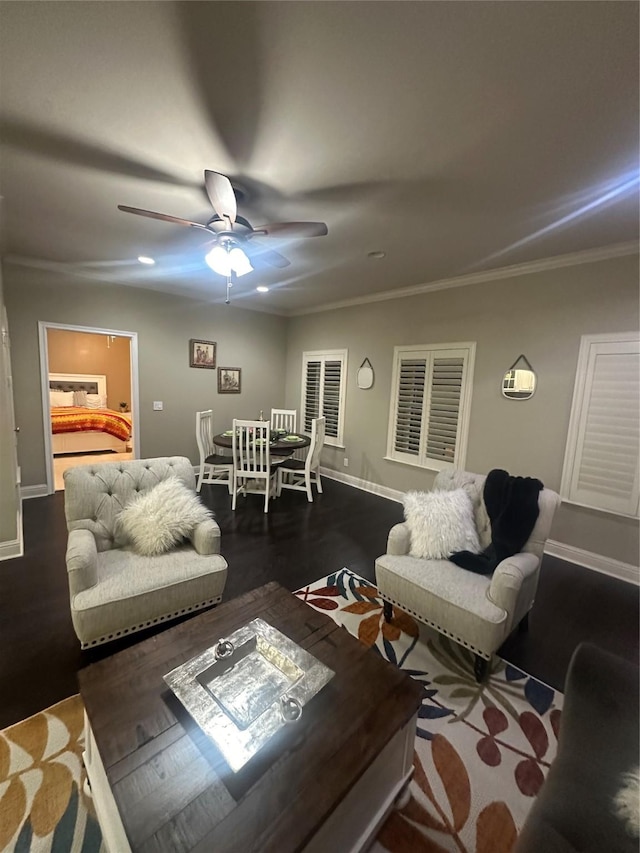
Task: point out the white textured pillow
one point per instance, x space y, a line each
80 398
626 802
96 401
61 398
156 520
441 523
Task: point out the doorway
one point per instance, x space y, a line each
89 383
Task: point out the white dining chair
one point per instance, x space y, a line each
253 472
298 474
284 419
214 467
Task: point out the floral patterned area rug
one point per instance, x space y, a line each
481 751
43 808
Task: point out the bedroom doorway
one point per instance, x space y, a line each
89 382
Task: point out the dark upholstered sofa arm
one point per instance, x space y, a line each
598 742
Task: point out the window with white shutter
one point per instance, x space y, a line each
323 391
603 445
430 404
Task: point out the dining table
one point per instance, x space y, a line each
283 445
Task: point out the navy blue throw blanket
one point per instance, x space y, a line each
512 507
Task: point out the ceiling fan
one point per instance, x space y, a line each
235 250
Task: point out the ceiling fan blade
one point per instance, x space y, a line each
221 195
293 229
258 254
163 216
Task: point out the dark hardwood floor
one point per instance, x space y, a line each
294 544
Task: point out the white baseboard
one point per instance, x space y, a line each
11 549
569 553
39 491
596 562
364 485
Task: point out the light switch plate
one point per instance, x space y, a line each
158 405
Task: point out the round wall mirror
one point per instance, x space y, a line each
518 384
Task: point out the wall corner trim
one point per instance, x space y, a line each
569 553
39 491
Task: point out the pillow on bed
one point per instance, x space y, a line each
440 523
80 399
159 518
96 401
61 398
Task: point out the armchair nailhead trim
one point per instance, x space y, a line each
124 631
439 629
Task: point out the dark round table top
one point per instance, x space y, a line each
279 446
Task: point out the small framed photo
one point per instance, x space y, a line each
202 354
229 380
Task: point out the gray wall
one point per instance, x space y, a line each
542 315
164 323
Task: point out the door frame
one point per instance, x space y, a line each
11 548
43 326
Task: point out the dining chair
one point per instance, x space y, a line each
214 467
298 474
284 419
253 472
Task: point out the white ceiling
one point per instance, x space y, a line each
454 136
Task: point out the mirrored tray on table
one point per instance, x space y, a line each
245 688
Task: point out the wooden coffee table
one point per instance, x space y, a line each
324 783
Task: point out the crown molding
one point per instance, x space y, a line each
587 256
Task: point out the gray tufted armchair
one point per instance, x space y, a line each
477 611
113 590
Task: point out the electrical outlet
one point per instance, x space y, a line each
158 405
345 462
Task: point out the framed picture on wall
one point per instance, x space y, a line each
229 380
202 354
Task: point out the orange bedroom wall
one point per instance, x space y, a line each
83 352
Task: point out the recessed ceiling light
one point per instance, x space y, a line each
262 289
145 260
377 255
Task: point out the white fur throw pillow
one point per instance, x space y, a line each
626 802
440 523
157 519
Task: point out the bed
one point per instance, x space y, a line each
85 428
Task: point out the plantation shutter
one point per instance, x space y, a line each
607 447
312 393
411 387
444 408
331 397
430 410
323 392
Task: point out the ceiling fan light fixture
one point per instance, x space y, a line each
240 263
261 288
219 261
225 262
145 259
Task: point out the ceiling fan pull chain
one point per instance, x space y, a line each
229 286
